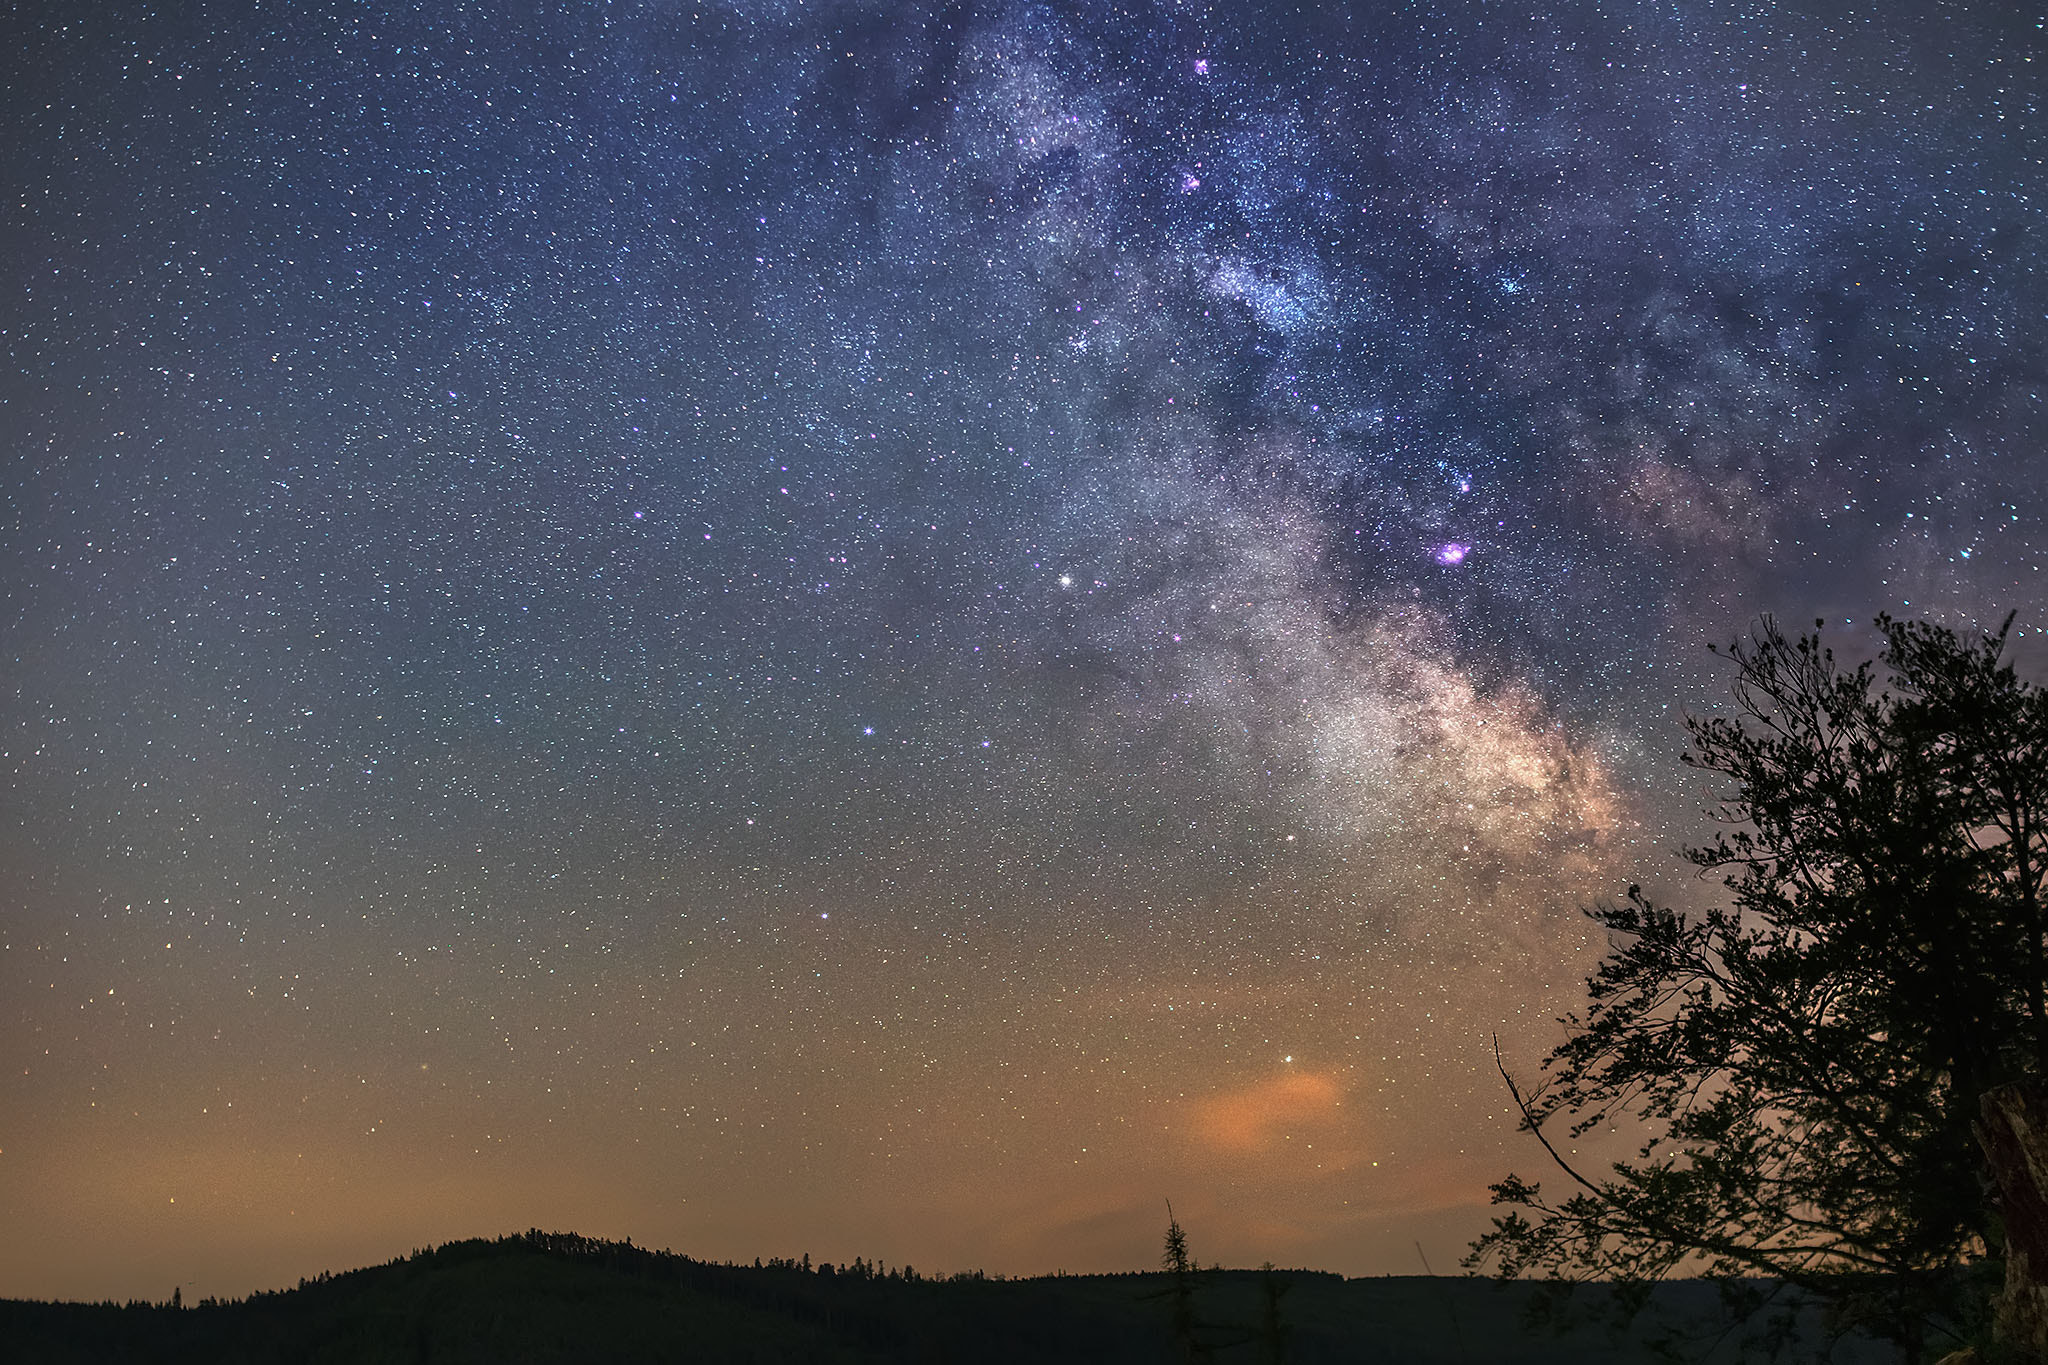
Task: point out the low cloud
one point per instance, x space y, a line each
1257 1117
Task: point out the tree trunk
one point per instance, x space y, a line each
2014 1135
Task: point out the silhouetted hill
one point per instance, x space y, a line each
548 1297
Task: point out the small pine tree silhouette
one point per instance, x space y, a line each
1176 1260
1181 1293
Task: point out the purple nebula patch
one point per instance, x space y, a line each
1453 553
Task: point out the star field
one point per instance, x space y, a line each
903 630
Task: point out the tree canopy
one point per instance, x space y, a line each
1806 1059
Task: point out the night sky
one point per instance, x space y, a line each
904 631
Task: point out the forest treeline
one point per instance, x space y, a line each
538 1298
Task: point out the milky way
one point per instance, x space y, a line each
904 631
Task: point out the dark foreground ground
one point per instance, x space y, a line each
554 1297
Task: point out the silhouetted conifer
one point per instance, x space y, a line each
1186 1325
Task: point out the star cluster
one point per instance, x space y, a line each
899 630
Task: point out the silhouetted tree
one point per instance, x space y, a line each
1273 1333
1180 1291
1806 1061
1175 1259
